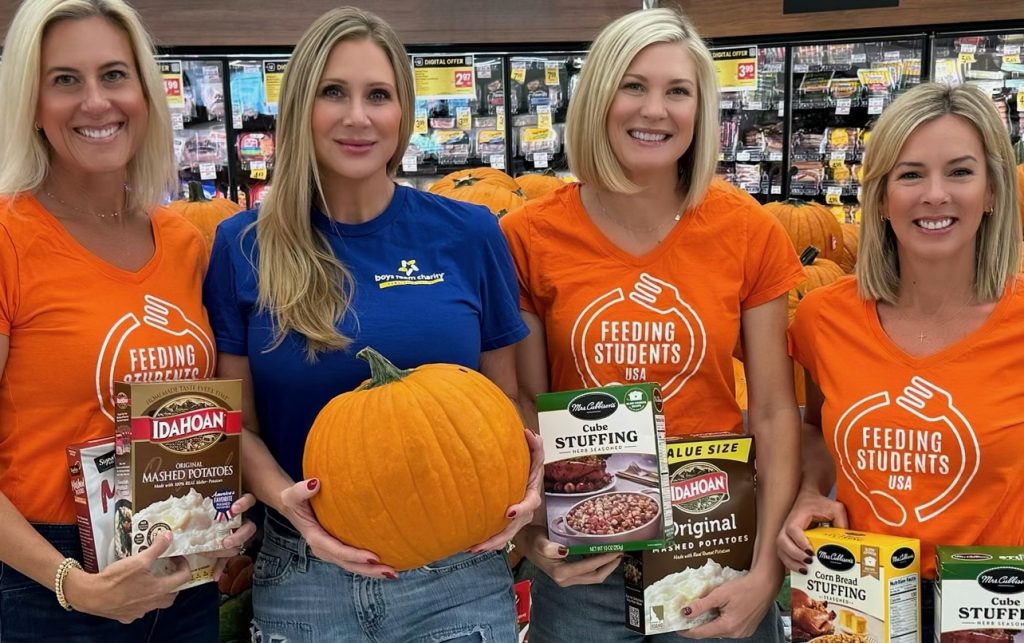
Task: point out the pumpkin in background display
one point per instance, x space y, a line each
485 186
536 185
416 465
820 272
851 241
203 212
809 224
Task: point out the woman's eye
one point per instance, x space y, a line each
680 91
331 91
962 171
380 96
909 175
115 75
633 87
63 80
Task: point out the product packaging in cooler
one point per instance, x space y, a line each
714 506
605 478
178 466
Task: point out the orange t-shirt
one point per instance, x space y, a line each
924 447
671 316
76 324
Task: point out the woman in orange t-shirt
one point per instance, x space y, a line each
646 271
98 283
916 371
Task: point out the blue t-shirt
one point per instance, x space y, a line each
434 282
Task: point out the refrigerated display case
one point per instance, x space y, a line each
992 62
752 83
838 89
459 116
194 88
254 84
540 87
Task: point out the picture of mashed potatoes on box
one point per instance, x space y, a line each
711 480
177 466
860 588
605 479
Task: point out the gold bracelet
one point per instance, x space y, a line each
65 566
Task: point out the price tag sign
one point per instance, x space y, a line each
540 159
463 118
409 163
236 120
776 189
483 70
843 105
875 104
800 69
551 72
177 121
544 116
736 69
968 48
966 59
858 58
742 156
775 156
834 195
518 73
755 105
207 171
1011 50
1020 101
725 104
839 155
1012 59
498 161
258 170
891 55
174 83
273 74
443 77
419 125
499 121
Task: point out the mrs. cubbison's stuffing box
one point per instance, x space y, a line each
178 465
592 439
979 594
712 481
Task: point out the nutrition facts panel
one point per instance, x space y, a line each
903 609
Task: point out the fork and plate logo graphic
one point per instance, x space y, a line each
938 426
617 340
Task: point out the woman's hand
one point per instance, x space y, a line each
127 589
741 604
521 513
234 544
550 558
296 508
810 508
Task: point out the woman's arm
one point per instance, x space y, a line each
774 421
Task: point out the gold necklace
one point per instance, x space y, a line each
101 215
634 230
923 336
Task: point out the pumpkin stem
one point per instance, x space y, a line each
195 192
808 256
466 181
382 371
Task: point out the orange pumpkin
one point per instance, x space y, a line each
203 212
809 224
417 465
534 186
851 240
484 186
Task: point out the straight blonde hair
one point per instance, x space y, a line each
25 153
590 153
997 246
302 284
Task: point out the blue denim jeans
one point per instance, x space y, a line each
29 612
597 614
298 598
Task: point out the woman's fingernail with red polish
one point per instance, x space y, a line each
373 561
512 514
311 484
808 560
803 570
390 576
562 551
808 552
687 611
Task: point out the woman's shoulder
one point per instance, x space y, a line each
725 199
840 294
551 208
448 216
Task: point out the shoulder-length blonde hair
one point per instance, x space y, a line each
304 286
997 247
25 154
591 157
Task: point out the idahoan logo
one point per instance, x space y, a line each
408 274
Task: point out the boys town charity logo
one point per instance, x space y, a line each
651 334
162 344
914 455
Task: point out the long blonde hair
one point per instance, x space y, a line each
590 153
997 248
303 285
24 153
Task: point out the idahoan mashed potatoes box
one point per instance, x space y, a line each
712 481
860 588
605 477
177 465
979 594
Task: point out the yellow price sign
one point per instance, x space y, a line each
736 69
258 170
174 83
1013 59
834 196
551 73
518 73
420 124
1020 101
544 116
273 74
463 118
966 58
444 77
